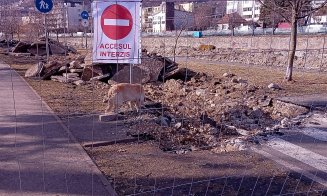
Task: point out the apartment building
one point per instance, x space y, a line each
249 9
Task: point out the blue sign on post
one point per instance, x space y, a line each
85 15
44 6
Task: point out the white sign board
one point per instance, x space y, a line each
116 32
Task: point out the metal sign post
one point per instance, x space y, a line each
85 24
45 6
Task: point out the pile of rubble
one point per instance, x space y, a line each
38 48
80 70
9 43
220 114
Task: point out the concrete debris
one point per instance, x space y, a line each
139 75
35 71
228 75
51 69
91 71
288 110
217 114
274 86
75 65
76 70
79 82
38 48
63 79
70 75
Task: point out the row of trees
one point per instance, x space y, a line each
30 23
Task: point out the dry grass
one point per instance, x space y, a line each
304 82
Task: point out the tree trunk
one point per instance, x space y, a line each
289 71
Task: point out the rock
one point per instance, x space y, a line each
57 49
178 125
274 86
240 80
182 151
76 70
63 69
63 79
70 75
74 65
71 49
228 75
139 75
284 123
79 82
20 54
35 70
103 78
51 68
109 117
289 110
163 121
200 92
267 102
243 132
91 71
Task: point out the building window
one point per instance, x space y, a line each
247 9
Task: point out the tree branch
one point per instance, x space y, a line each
276 11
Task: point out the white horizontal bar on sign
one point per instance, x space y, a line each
116 22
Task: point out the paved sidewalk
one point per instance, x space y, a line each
37 154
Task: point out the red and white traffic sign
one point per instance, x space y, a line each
116 22
117 31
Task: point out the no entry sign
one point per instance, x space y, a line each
116 22
116 32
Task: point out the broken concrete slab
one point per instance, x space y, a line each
21 47
103 78
79 82
63 79
57 50
314 101
91 71
289 110
51 68
76 70
109 117
35 70
70 75
75 65
138 75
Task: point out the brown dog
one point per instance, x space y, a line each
122 93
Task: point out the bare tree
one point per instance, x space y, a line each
9 19
269 17
298 9
56 22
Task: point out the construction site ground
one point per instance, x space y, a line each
141 166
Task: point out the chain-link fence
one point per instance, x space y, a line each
218 118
